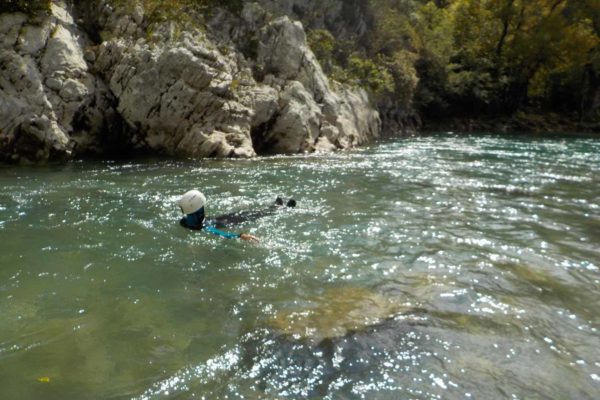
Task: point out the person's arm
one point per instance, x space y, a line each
229 235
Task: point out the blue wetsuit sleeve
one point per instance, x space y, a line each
218 232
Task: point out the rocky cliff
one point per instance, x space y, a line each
99 77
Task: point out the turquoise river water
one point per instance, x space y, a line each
442 267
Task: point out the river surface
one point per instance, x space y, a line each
442 267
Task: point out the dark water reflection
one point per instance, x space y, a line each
438 267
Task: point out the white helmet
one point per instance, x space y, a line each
192 201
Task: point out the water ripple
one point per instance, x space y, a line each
429 267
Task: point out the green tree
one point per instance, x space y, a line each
29 7
322 43
508 54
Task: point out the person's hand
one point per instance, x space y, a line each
249 238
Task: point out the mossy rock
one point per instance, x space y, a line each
335 313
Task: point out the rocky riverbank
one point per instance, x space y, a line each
97 78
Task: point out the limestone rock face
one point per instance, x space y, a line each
313 114
298 113
179 96
47 92
197 95
246 84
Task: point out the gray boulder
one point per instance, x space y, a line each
178 96
47 92
313 114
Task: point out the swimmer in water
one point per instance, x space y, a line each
192 205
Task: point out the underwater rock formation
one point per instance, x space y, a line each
336 313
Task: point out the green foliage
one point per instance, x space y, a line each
352 68
179 11
498 56
401 67
394 27
29 7
322 43
371 74
448 57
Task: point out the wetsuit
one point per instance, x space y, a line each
197 221
240 216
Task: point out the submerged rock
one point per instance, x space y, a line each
280 364
336 313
